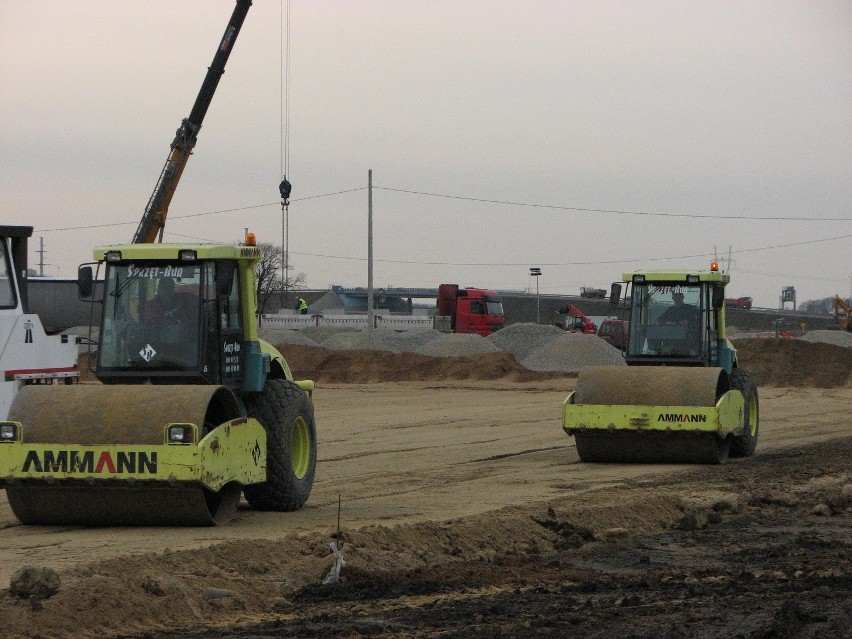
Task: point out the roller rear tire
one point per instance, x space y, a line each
287 415
744 445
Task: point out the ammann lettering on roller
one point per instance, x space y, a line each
83 462
672 417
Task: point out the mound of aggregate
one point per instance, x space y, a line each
569 352
457 344
357 340
285 336
407 341
838 338
522 340
321 333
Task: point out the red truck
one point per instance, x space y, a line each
738 302
614 331
469 310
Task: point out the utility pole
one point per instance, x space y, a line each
370 257
41 257
536 273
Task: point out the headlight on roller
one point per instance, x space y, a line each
181 434
8 431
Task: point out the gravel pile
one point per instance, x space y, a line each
569 352
522 340
838 338
285 336
357 340
458 344
321 333
407 341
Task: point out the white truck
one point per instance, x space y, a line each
27 354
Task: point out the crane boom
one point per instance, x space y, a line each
154 218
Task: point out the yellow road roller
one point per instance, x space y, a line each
682 398
192 409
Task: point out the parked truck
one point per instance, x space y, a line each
27 355
738 302
469 310
614 332
590 291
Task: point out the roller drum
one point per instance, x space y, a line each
650 386
91 415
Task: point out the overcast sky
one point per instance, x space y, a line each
585 138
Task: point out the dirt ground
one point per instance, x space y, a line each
464 511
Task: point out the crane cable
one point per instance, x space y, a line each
285 93
284 186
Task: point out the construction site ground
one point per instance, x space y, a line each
464 512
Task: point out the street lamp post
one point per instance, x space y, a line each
536 273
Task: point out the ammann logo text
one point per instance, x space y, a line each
75 461
676 417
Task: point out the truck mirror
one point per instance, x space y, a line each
615 293
85 282
224 278
718 298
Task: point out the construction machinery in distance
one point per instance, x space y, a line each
682 397
193 409
842 314
27 354
153 220
576 321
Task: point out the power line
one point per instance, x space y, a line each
217 212
584 263
773 218
616 211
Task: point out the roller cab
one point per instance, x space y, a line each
682 397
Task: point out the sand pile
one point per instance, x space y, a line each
795 362
362 367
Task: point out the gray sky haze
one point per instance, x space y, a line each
586 138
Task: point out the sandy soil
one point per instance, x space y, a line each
465 512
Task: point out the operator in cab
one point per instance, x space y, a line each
679 313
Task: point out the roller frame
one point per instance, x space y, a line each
723 419
233 452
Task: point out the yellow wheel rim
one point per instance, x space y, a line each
752 417
300 448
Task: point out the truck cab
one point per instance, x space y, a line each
471 310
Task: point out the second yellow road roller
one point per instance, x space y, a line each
682 398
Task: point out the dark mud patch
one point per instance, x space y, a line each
759 550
